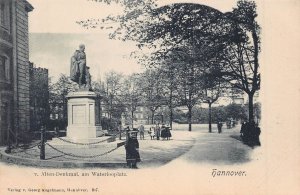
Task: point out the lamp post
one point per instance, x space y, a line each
42 146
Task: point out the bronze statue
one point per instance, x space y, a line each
88 79
79 71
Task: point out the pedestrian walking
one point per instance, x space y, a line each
168 133
220 127
243 130
163 132
142 131
120 131
157 131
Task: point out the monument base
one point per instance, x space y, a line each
83 115
84 132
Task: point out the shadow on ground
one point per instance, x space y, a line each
214 148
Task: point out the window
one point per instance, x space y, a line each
2 13
2 67
4 16
5 68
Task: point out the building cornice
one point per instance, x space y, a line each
5 44
28 6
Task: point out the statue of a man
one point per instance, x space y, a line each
78 66
88 79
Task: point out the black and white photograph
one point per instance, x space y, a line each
149 97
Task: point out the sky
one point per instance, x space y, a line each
56 16
54 36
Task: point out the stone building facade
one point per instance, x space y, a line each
14 69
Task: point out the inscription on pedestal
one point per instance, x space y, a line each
79 115
82 115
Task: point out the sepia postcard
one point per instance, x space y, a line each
149 97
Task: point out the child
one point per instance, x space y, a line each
132 149
152 133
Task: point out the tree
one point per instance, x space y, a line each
240 65
227 44
113 81
211 95
152 90
131 96
169 77
189 87
58 92
236 112
218 114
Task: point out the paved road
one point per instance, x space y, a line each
224 148
197 146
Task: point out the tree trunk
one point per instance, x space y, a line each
132 119
171 107
110 121
110 113
209 117
190 118
251 115
152 117
171 117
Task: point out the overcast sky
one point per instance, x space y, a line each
54 16
54 35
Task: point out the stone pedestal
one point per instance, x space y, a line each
83 116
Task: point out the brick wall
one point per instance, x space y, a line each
39 97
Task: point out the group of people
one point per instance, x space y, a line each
157 132
250 132
230 123
132 143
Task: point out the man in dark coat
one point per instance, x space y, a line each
132 150
142 132
243 129
163 132
168 133
220 127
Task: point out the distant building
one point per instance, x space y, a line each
14 69
238 100
57 115
142 115
39 97
56 110
255 98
